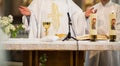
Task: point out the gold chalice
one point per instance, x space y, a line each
46 25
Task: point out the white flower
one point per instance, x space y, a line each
23 26
4 23
12 27
10 18
4 18
7 30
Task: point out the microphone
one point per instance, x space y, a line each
68 16
69 29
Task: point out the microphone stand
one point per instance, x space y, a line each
68 37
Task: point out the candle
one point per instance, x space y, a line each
112 29
93 26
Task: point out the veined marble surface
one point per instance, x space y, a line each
99 45
37 44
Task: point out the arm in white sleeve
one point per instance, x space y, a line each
26 19
80 24
26 22
118 23
78 17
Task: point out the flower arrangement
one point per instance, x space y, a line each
7 26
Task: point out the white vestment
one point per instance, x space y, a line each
42 8
105 58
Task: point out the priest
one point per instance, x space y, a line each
55 12
104 9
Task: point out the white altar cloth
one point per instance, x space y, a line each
36 44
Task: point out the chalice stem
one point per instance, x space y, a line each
46 32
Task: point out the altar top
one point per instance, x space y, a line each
37 44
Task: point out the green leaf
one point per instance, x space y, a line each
43 59
13 34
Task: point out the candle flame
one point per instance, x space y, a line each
113 11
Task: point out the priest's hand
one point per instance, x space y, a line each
90 11
24 11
